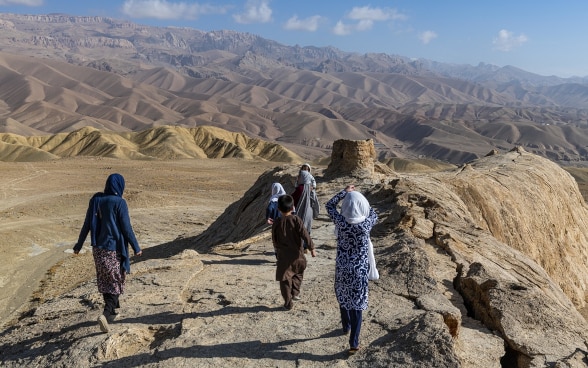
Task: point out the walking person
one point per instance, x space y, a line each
107 220
288 234
353 226
271 211
304 195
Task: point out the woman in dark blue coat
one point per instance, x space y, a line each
107 221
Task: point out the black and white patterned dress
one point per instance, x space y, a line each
352 266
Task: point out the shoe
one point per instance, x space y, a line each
112 317
352 351
103 323
288 306
296 297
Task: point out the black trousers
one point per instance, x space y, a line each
110 303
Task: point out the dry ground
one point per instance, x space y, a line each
42 207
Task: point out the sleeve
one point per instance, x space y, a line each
126 228
274 238
331 206
372 217
85 228
272 211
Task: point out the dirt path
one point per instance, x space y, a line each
212 309
204 310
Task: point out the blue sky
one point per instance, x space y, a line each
540 36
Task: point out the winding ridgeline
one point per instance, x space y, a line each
484 265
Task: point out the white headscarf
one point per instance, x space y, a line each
277 191
355 208
304 177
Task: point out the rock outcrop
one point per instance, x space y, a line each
480 266
352 158
514 227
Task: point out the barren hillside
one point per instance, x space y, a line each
134 77
164 142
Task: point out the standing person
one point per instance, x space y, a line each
353 226
288 233
107 220
272 212
303 196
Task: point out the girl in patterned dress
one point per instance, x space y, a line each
353 226
107 220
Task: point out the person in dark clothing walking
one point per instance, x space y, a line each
288 234
107 220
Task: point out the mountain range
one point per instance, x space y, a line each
61 73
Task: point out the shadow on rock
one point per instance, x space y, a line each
276 351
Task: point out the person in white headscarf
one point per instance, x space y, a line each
272 212
305 196
305 177
353 226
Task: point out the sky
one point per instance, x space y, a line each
540 36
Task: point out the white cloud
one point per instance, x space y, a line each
162 9
22 2
309 24
364 25
506 40
427 36
374 14
342 29
365 18
256 11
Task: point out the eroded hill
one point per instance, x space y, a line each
164 142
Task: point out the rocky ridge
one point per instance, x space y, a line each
163 142
456 288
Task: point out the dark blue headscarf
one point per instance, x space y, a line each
115 185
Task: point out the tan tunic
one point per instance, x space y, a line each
287 235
